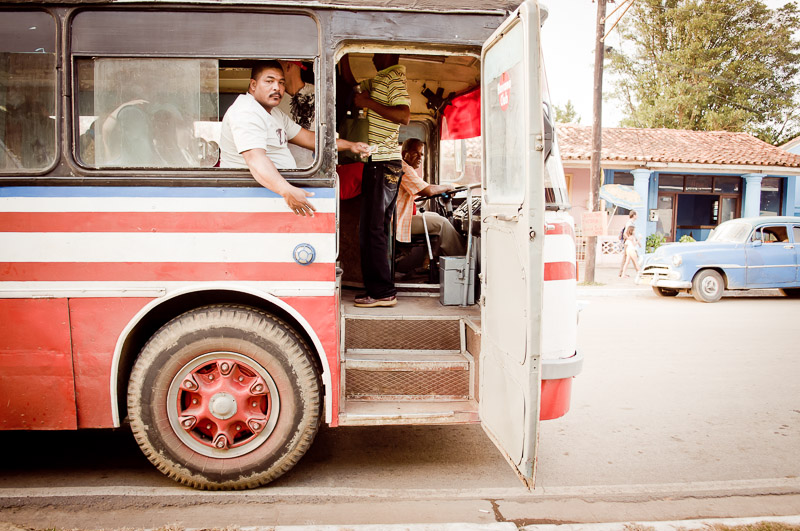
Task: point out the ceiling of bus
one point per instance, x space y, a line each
453 73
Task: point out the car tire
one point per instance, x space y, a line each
707 286
665 292
792 293
224 397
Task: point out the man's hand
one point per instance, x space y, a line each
265 172
434 189
297 200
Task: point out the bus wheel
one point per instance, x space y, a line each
224 397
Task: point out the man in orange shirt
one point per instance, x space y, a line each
412 185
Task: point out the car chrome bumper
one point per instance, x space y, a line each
662 277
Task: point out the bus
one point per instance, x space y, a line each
144 286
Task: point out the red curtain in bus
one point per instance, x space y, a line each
462 118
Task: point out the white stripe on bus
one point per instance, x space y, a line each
160 247
148 289
156 204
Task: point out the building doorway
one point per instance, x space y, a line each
694 205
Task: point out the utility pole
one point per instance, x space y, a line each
595 176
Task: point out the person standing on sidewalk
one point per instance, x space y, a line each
631 249
385 97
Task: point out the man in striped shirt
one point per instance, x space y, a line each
385 97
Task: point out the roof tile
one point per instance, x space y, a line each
673 146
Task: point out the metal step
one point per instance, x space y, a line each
406 375
359 413
417 333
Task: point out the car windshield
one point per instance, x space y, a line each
731 231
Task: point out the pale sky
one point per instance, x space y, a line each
568 43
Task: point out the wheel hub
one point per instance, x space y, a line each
223 404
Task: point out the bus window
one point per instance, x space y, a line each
27 91
135 115
138 109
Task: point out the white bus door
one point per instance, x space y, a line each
512 234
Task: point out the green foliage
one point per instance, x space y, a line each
710 65
566 114
653 242
686 238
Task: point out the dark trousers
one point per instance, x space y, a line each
379 184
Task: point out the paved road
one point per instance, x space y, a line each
684 410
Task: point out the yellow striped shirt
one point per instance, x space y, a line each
388 87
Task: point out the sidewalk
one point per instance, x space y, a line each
609 283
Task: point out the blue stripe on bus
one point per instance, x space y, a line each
147 191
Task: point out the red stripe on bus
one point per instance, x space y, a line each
256 222
559 228
164 271
559 271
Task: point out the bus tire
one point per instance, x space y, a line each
224 397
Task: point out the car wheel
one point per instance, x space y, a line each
665 292
792 293
224 397
707 286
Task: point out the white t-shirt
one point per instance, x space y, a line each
247 125
301 112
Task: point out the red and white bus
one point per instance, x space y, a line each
142 285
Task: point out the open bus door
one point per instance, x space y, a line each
512 233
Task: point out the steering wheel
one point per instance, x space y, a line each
445 200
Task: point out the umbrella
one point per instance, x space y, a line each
621 196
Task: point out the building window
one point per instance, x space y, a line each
670 183
771 196
727 185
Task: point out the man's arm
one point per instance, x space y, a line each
399 114
268 176
307 139
433 189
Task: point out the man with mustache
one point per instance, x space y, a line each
255 135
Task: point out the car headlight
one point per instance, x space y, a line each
677 260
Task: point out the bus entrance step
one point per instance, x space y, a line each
393 332
359 413
406 375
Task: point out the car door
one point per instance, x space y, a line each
771 257
512 235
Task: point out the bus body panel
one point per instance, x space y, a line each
77 261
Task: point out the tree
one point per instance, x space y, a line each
567 113
731 65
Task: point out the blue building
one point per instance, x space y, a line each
691 180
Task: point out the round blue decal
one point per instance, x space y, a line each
304 254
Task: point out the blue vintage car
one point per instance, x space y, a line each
739 254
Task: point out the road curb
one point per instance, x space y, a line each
677 525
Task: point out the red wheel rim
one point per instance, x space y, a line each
223 404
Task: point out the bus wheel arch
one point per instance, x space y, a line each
225 397
159 312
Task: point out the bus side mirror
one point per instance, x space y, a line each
548 131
